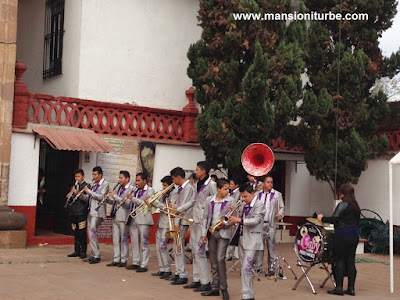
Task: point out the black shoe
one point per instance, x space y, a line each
211 293
193 285
225 295
122 264
203 288
95 260
350 292
113 264
336 291
75 254
180 281
172 278
132 267
83 255
229 259
188 250
159 273
208 254
141 270
269 274
88 259
166 275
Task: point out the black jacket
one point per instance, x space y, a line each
343 217
79 207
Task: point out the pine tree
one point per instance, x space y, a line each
343 118
246 75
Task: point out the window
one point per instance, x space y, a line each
53 39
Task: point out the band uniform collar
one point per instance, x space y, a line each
253 201
101 181
184 184
214 198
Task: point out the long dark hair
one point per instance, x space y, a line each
348 196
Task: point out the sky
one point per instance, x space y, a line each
390 41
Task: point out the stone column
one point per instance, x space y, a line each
191 112
8 49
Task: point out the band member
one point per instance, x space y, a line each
184 202
253 181
248 236
214 177
140 225
78 214
232 251
164 259
216 207
96 194
119 214
274 212
205 187
346 219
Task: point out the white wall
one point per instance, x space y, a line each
30 48
171 156
24 168
372 190
135 52
304 194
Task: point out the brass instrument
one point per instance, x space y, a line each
172 212
80 193
106 198
149 201
171 233
259 187
178 245
67 201
224 219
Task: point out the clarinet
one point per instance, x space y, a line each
126 197
80 192
105 198
68 199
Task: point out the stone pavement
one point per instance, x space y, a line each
46 273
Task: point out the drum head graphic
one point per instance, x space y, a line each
309 243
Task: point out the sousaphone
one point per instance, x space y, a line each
257 159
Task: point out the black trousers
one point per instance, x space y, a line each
345 252
78 224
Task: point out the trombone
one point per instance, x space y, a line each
224 219
149 201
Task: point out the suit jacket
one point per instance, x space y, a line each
160 203
96 194
236 195
225 232
79 208
208 189
273 208
184 202
253 223
145 217
122 213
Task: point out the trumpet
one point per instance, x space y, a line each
105 198
149 201
67 201
178 245
224 219
80 192
172 213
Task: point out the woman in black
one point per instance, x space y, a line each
345 218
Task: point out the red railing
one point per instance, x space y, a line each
394 139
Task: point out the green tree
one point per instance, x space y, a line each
341 117
246 75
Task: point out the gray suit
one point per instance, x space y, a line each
120 229
270 227
184 201
232 251
96 194
200 265
217 243
140 227
250 242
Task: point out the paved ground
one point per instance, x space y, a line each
46 273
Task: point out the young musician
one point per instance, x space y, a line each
253 181
218 206
205 187
164 259
184 201
96 194
78 214
119 214
140 225
248 236
274 212
232 251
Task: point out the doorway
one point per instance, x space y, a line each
58 168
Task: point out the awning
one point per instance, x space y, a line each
73 139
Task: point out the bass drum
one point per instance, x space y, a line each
313 244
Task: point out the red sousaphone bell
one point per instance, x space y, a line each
257 159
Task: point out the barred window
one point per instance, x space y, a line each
53 39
